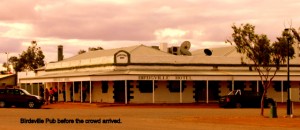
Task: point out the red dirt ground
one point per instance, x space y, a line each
253 120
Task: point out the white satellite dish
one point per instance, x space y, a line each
185 47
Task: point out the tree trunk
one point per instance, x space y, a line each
262 102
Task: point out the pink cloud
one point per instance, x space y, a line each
17 11
137 21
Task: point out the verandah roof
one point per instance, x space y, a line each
78 68
134 75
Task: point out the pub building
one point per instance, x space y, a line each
156 74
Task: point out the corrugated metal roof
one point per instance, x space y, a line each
228 51
173 59
159 72
106 56
133 50
2 76
149 61
147 55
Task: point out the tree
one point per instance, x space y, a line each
30 59
95 48
5 65
265 57
90 49
13 60
81 51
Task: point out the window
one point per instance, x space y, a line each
86 86
174 86
104 86
285 86
239 85
76 87
145 86
277 86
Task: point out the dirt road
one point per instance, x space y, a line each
78 116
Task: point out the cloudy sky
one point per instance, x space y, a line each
79 24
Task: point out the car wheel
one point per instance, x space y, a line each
2 104
238 105
31 104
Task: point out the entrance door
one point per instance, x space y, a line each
119 91
200 91
213 90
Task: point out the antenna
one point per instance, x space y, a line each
185 47
208 52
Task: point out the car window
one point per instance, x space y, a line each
235 92
17 92
24 92
10 91
2 91
232 92
13 91
238 92
21 92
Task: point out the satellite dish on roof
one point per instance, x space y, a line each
185 47
208 52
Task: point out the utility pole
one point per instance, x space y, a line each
7 67
289 40
288 102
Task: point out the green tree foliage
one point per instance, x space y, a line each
30 59
5 65
81 51
264 56
95 48
13 60
90 49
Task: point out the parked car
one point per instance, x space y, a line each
19 98
238 99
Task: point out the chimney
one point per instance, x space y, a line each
163 47
60 55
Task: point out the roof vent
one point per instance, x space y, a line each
208 52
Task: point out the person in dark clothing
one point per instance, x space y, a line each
51 92
64 92
71 93
55 90
47 95
83 93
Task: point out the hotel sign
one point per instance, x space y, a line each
164 77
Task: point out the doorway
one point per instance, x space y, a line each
119 91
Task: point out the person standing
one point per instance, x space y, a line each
71 93
47 95
64 92
51 93
83 93
55 94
